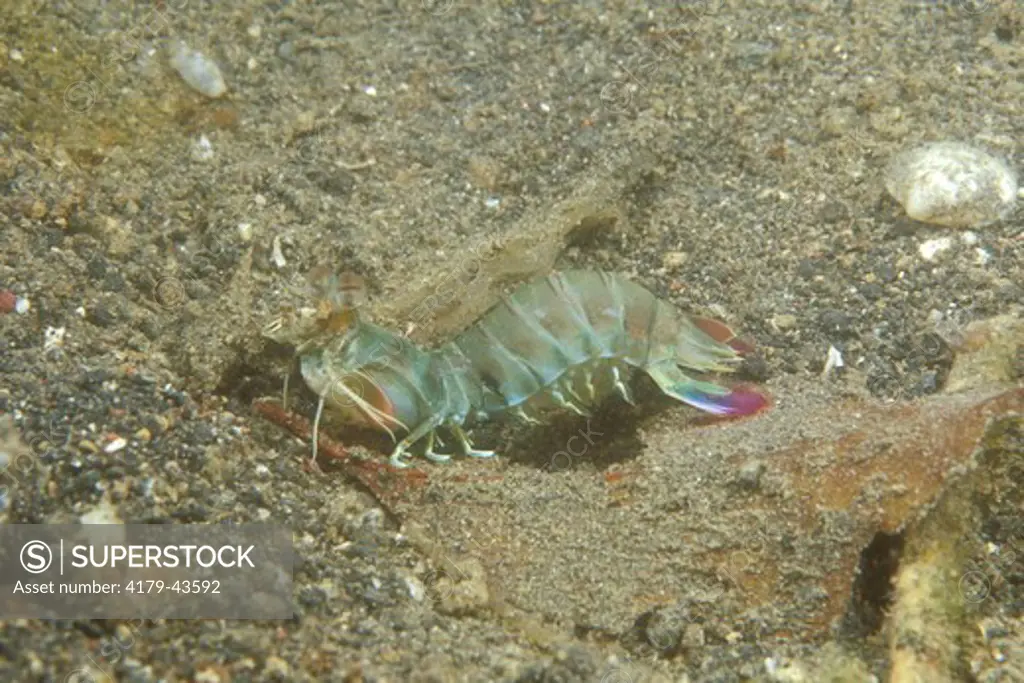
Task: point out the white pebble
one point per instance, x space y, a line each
929 249
417 591
53 338
833 360
203 149
104 513
276 254
116 445
952 184
22 305
198 71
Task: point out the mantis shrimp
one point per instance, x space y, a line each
564 341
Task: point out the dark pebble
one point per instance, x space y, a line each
886 273
193 512
179 398
97 268
91 629
993 630
750 474
113 281
1007 29
807 269
754 369
872 291
337 183
929 382
101 316
836 322
311 597
80 222
54 238
833 212
203 433
252 496
149 328
143 379
89 480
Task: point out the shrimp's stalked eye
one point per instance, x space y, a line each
335 320
339 296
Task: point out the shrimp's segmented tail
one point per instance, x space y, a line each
706 396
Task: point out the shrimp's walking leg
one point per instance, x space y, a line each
316 428
425 428
430 455
467 447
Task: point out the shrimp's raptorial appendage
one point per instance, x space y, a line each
561 342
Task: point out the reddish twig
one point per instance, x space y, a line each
385 482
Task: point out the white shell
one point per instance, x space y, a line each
953 184
198 71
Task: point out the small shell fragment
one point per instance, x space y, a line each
929 249
952 184
833 360
116 445
198 71
276 254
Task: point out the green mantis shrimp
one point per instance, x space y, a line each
564 341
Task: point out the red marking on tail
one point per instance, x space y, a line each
746 402
742 402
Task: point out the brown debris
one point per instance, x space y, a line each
386 483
